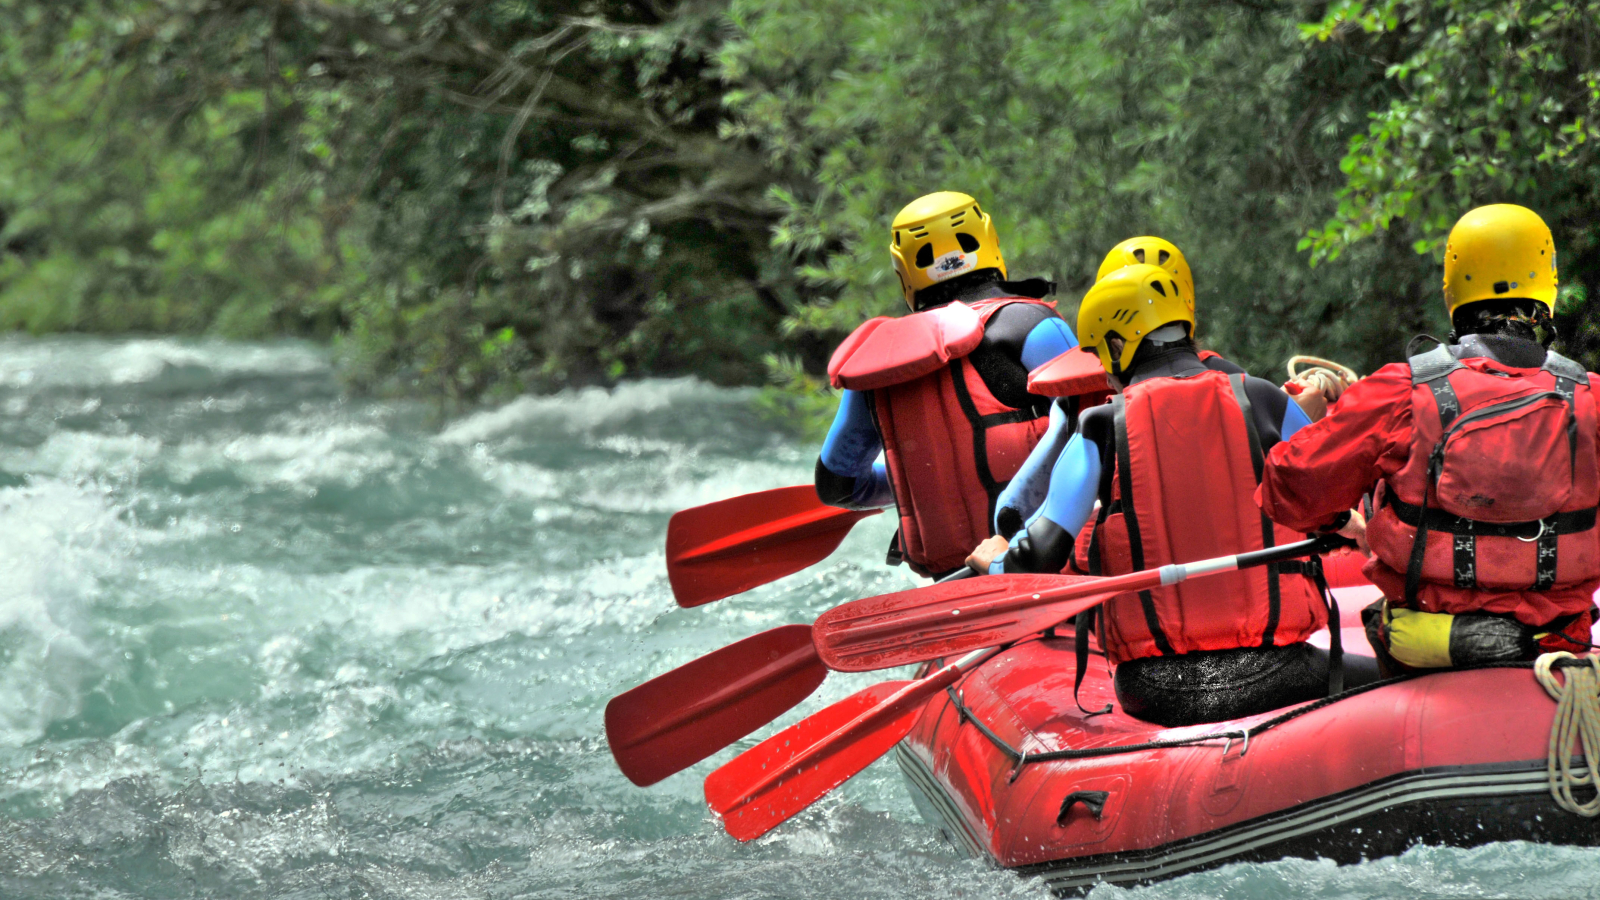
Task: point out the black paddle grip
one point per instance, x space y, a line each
1322 543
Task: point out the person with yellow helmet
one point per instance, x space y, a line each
1174 460
1021 498
1480 459
942 392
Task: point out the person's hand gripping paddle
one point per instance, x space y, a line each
730 546
771 782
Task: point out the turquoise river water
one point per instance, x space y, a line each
259 639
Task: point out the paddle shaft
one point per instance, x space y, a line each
897 704
1118 584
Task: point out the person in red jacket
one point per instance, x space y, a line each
942 392
1479 458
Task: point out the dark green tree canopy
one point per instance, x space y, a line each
506 194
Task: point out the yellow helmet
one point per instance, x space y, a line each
1130 303
1153 251
939 236
1499 251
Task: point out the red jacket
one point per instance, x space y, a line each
1368 438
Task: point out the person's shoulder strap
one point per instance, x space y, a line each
1433 365
1561 367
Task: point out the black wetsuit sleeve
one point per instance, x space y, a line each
1268 403
998 357
1218 364
834 489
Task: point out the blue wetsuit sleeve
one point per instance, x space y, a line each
1046 544
1022 496
848 471
1294 419
1048 340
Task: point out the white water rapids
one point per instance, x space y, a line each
259 639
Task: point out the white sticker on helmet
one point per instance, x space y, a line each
951 264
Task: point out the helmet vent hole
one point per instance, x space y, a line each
897 238
977 209
1139 254
1159 289
1162 256
968 242
1500 287
925 256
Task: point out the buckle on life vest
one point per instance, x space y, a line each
1543 524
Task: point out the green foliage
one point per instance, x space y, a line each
1491 101
496 195
470 197
1078 125
132 203
795 400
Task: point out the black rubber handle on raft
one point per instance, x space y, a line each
1322 543
1093 801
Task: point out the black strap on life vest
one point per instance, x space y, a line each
1434 369
1081 627
1257 461
1313 570
1130 519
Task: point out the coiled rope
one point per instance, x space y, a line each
1577 696
1322 374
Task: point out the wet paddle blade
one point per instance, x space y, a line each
769 783
675 720
728 547
952 618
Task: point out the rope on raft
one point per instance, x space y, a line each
1322 374
1023 759
1577 722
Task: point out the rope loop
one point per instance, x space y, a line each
1577 722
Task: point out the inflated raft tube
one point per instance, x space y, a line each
1009 768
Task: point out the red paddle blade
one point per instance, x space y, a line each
951 618
766 785
675 720
733 545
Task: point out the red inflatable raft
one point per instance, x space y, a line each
1007 767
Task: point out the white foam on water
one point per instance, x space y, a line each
32 363
320 454
1515 869
590 409
60 539
84 455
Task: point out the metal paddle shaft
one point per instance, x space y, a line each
675 720
946 620
772 781
728 547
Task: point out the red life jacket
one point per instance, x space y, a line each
950 446
1189 457
1494 510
